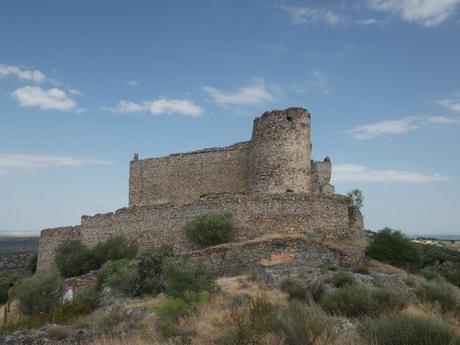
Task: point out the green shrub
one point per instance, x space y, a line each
83 303
361 269
26 322
251 324
301 324
73 258
393 247
175 308
31 265
342 278
450 271
407 330
114 248
150 268
120 276
428 273
180 276
38 295
358 300
294 289
210 229
439 293
6 283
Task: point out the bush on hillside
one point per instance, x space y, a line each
250 325
210 229
6 283
342 278
361 269
73 258
38 295
407 330
294 289
439 293
83 303
358 301
180 276
393 247
150 267
120 276
301 324
31 265
114 248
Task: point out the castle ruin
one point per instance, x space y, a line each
269 184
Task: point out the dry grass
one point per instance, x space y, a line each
128 341
243 286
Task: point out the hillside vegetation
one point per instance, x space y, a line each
156 297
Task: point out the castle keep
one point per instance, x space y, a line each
269 184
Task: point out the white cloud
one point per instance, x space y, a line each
255 94
451 104
316 80
159 106
426 12
131 82
400 126
360 174
313 15
383 128
75 92
52 99
22 74
33 162
367 22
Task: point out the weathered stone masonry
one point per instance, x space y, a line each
269 184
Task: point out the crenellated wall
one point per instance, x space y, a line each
316 217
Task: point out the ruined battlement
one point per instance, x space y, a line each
277 159
269 184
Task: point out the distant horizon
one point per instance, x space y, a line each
440 236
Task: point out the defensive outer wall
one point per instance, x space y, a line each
269 184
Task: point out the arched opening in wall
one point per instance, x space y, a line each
288 118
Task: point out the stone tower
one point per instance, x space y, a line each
280 153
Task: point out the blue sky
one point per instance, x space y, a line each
85 84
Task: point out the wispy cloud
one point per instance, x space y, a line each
159 107
131 82
256 94
274 48
313 15
426 12
360 174
400 126
383 128
21 73
316 81
9 162
368 22
52 99
450 103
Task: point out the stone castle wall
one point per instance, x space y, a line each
50 239
316 217
277 159
269 184
183 178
